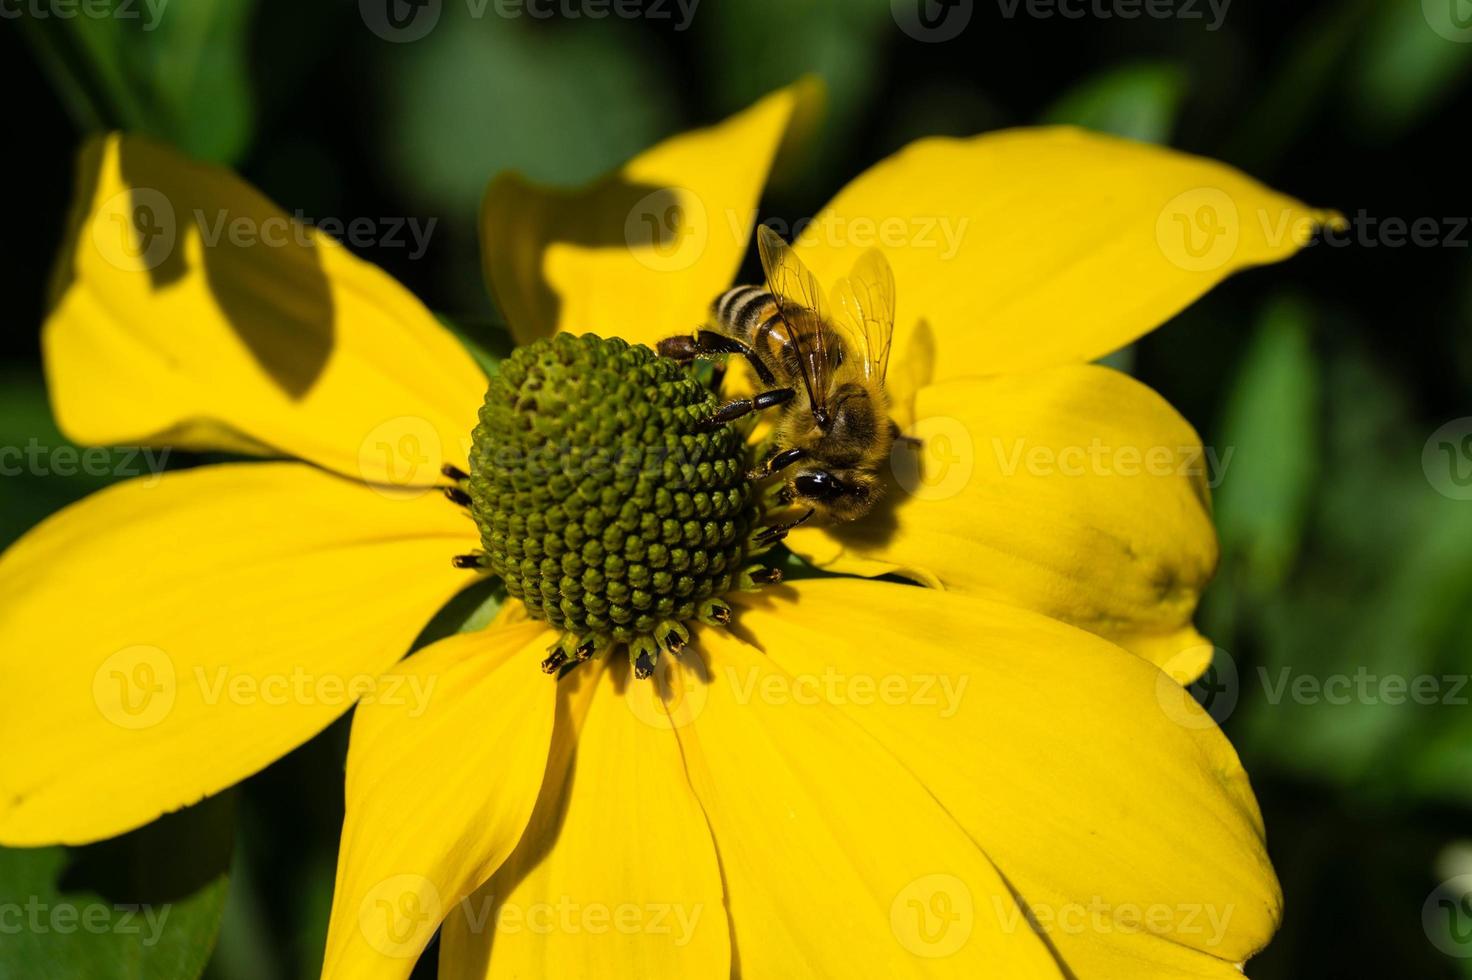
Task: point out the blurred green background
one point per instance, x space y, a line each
1346 552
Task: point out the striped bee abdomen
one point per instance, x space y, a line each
743 309
751 315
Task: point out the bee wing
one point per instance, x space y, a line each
849 322
865 304
798 296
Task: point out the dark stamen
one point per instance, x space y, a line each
454 472
457 496
767 576
469 561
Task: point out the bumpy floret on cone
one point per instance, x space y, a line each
602 503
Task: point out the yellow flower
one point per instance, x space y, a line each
863 777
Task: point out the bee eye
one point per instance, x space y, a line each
818 486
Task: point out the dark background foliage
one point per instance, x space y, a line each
1343 555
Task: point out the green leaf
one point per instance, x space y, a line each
1312 71
144 906
754 47
561 103
1364 653
1271 429
195 68
471 610
1137 101
487 339
40 470
1405 69
176 71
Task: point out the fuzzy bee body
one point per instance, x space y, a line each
833 430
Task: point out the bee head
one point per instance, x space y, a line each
840 495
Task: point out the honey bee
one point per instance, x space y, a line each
826 373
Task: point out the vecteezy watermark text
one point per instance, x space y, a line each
937 21
148 11
139 228
568 916
36 458
401 21
94 918
1100 458
1212 12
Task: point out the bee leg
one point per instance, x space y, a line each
898 436
739 407
708 343
776 462
775 533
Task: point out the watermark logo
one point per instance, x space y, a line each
1446 459
671 699
135 687
401 457
1452 19
1214 692
1446 916
933 916
135 230
399 914
400 21
1199 230
932 21
667 230
934 459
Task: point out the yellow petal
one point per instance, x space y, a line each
641 253
1107 799
616 874
188 310
438 793
1034 247
837 861
1075 491
169 636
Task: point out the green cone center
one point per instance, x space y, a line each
601 502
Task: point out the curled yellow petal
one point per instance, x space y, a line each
641 253
188 310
